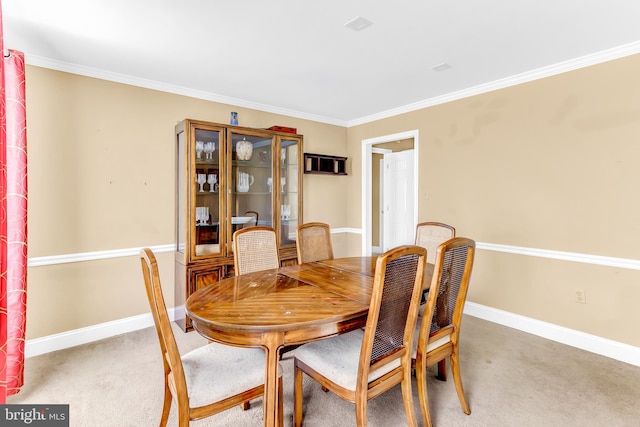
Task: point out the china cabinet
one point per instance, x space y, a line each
230 177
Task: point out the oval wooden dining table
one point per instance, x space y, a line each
287 306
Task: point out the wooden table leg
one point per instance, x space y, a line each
272 342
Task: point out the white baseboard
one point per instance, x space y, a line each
612 349
38 346
592 343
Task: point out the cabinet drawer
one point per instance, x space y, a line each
202 277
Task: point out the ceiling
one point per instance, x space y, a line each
296 57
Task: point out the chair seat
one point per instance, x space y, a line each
431 346
216 371
337 359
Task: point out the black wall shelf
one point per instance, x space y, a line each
325 164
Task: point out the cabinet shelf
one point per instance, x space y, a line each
241 164
207 162
253 193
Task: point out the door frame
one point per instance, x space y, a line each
367 149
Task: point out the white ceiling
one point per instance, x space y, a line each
296 57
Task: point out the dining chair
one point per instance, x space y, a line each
313 242
362 364
253 221
430 235
438 332
255 249
209 379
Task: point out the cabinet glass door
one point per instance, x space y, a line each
289 182
206 152
251 180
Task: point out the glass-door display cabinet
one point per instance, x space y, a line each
230 177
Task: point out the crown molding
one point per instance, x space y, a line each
559 68
81 70
540 73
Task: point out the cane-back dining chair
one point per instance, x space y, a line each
438 332
430 235
209 379
253 221
313 242
255 249
364 363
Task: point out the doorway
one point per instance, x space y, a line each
372 181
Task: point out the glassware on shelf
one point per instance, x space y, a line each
202 215
269 183
244 149
201 179
199 148
285 211
283 181
212 179
209 148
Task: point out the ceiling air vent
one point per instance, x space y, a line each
358 23
441 67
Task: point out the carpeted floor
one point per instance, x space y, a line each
511 379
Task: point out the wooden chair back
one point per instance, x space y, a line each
170 353
430 235
254 219
362 364
439 331
255 249
313 242
393 312
208 397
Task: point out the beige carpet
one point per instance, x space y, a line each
511 378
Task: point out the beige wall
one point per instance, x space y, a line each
551 164
101 177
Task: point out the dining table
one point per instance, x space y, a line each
287 306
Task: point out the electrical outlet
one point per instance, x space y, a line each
581 296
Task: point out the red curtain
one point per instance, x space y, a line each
13 220
3 231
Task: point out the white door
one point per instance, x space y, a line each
398 201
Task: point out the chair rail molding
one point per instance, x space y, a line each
628 263
92 256
632 264
609 348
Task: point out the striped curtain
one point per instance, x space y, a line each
13 220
